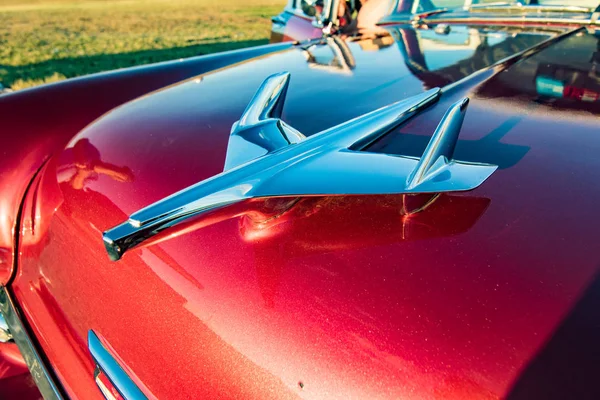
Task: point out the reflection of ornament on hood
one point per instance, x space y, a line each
85 164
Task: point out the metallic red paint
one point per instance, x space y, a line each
331 297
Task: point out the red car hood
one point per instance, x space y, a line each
341 297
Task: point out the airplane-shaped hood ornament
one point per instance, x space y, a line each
268 158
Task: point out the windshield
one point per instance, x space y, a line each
428 5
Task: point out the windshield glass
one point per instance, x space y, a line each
428 5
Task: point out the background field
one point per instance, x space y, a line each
49 40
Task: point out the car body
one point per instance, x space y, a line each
293 220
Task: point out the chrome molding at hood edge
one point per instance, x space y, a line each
40 373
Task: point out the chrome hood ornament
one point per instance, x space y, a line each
268 158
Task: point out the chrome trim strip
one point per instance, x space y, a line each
114 372
489 20
528 8
39 372
329 163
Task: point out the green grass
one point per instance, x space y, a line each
49 40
